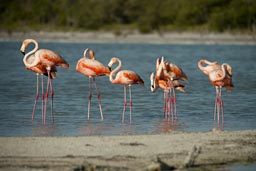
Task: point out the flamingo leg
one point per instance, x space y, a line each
130 92
221 105
46 95
171 103
216 101
36 99
218 104
89 98
124 102
101 114
165 104
42 98
52 94
174 102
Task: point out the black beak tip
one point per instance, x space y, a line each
22 52
109 68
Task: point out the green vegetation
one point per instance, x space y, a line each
117 15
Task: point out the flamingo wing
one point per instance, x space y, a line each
91 67
130 77
51 58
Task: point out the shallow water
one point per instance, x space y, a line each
194 108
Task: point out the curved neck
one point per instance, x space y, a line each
223 70
113 72
91 53
36 60
85 51
201 67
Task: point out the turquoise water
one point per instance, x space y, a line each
194 108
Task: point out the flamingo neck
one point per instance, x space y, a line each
29 54
201 67
224 71
113 72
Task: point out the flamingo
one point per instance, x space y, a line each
47 60
92 68
125 77
167 76
39 69
220 76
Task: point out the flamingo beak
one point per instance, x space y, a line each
109 68
23 52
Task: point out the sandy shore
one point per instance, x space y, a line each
136 152
133 37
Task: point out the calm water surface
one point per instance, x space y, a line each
194 108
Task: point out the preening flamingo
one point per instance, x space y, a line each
42 61
92 68
167 76
125 77
220 76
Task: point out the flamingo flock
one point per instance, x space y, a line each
167 76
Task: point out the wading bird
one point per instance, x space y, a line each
166 77
125 77
220 76
42 61
92 68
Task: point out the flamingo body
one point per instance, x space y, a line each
125 77
43 61
92 68
166 77
219 76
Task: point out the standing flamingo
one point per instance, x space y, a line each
125 77
48 59
92 68
39 69
167 76
220 76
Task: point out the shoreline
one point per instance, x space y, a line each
154 38
178 150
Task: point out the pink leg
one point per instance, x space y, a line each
174 103
222 107
52 94
216 102
36 99
218 105
124 102
130 91
89 98
42 98
46 95
101 114
165 105
171 104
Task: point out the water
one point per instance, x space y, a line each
195 107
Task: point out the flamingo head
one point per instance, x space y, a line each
25 43
112 61
153 85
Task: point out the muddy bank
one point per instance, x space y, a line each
136 152
133 37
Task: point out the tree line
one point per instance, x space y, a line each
115 15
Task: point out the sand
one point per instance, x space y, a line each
130 152
133 37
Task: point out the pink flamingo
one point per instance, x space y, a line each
166 85
125 77
220 76
167 76
46 60
92 68
39 69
